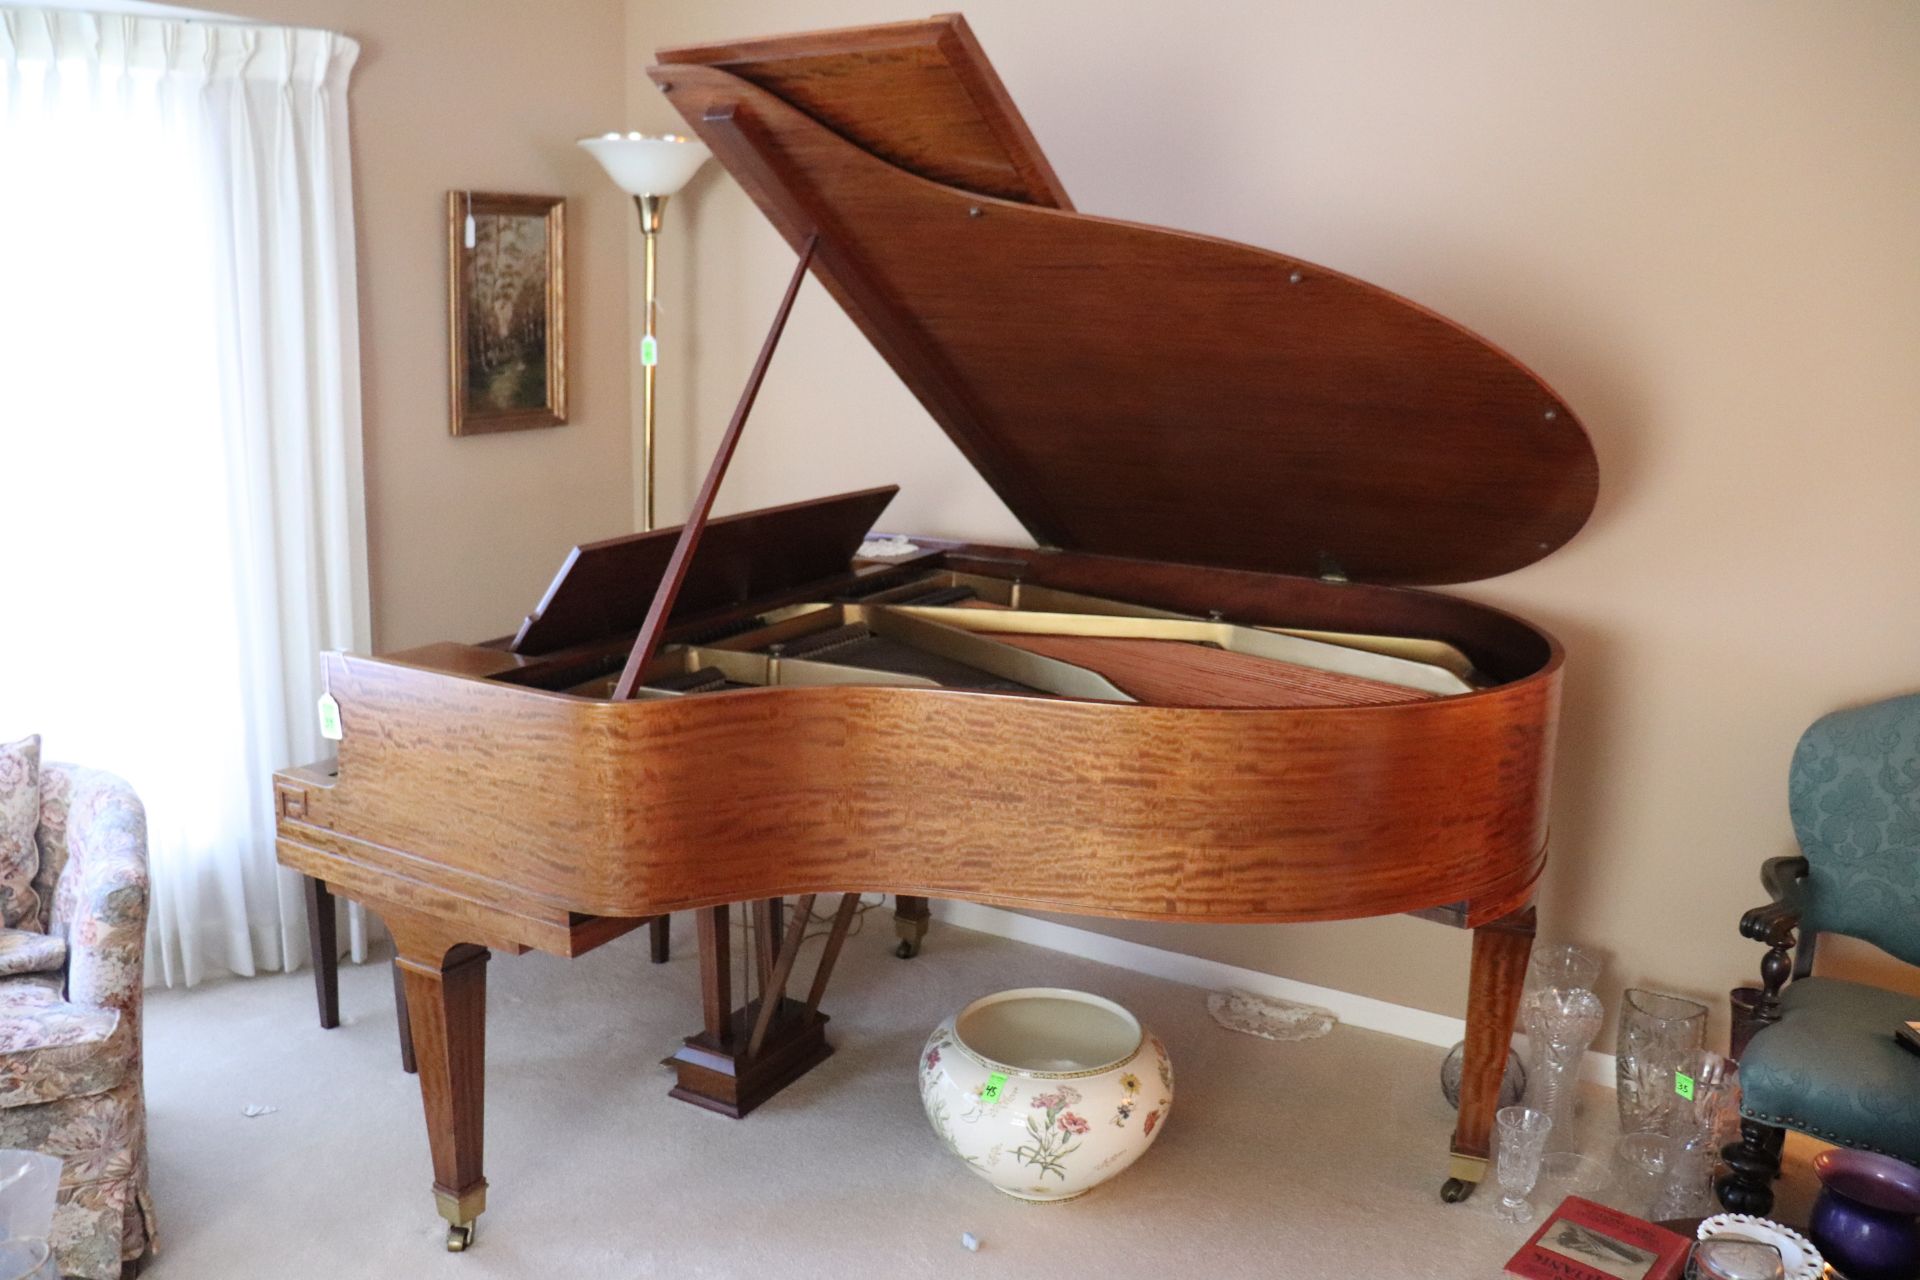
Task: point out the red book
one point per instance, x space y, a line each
1582 1240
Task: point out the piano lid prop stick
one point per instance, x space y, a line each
655 625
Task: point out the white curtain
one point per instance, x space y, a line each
182 528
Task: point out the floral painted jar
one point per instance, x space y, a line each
1045 1093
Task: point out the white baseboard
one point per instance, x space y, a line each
1214 975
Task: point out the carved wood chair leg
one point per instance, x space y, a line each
1493 1003
910 918
322 941
659 934
446 993
1752 1165
407 1062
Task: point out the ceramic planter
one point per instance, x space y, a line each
1045 1093
1867 1219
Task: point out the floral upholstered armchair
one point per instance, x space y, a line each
1818 1055
70 982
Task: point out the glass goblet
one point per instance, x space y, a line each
1523 1139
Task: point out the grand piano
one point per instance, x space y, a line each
1212 691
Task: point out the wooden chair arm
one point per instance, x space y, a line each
1782 877
1774 924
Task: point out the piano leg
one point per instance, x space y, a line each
407 1064
658 931
322 941
910 917
446 993
1500 952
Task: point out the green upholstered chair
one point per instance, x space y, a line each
1818 1055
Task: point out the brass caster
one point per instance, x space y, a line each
907 950
1454 1190
459 1236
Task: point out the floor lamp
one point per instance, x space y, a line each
648 168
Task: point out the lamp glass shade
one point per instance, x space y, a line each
644 165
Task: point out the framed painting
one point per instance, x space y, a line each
507 306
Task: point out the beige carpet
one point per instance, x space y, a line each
1311 1159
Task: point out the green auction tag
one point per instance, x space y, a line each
329 718
995 1083
649 352
1683 1085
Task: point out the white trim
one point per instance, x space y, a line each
1360 1011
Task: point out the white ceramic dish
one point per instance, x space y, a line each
1802 1260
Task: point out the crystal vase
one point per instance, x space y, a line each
1699 1092
1561 1022
1561 964
1656 1031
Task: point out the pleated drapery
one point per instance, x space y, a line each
182 523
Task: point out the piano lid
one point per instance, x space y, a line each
1130 390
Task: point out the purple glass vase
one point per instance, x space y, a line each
1867 1219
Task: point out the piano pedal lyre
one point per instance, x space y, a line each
745 1055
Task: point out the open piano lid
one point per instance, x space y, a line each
1129 390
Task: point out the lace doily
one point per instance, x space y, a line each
1268 1018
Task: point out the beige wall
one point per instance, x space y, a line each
1698 222
484 95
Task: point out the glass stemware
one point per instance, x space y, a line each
1523 1138
1656 1031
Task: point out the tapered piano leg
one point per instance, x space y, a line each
1493 1001
910 917
446 991
407 1064
322 941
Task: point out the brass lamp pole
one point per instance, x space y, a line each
650 169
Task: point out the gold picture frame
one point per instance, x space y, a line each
507 311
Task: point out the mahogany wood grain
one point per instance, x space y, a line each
716 971
603 588
446 989
1137 391
524 799
1500 951
1172 673
920 94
